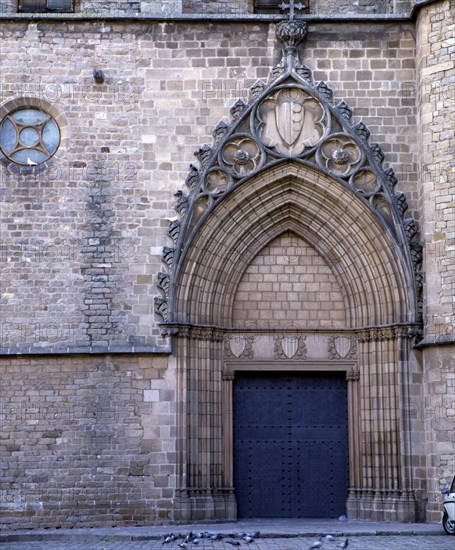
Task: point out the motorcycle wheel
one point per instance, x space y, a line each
449 526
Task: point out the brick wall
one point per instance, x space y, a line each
289 283
83 240
85 441
436 119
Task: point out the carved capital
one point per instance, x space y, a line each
228 375
353 375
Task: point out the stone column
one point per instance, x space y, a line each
353 378
202 494
383 493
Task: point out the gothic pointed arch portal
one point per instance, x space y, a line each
292 163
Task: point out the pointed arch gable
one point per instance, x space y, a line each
314 207
294 120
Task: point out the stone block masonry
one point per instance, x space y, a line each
95 438
82 444
83 240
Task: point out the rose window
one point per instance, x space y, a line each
29 136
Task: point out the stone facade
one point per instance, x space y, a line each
98 398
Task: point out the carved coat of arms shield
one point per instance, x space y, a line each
289 119
237 345
342 345
290 345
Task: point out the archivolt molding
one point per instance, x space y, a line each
290 118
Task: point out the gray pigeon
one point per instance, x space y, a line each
343 544
317 543
233 542
329 538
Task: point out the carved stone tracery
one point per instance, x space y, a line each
291 117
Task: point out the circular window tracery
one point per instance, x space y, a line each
29 136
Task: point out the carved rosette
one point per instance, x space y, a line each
289 347
342 347
340 155
242 156
238 346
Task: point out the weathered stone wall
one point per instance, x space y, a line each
86 441
289 283
83 239
436 122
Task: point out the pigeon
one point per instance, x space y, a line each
342 518
343 544
196 541
189 537
317 543
183 545
247 538
240 535
30 162
216 536
329 538
169 538
233 542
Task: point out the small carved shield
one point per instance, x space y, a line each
290 345
343 345
289 120
237 345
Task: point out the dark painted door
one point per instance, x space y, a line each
290 444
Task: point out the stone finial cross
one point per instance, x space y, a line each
292 7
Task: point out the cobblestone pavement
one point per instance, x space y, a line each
421 542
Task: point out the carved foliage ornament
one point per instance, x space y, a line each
290 117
